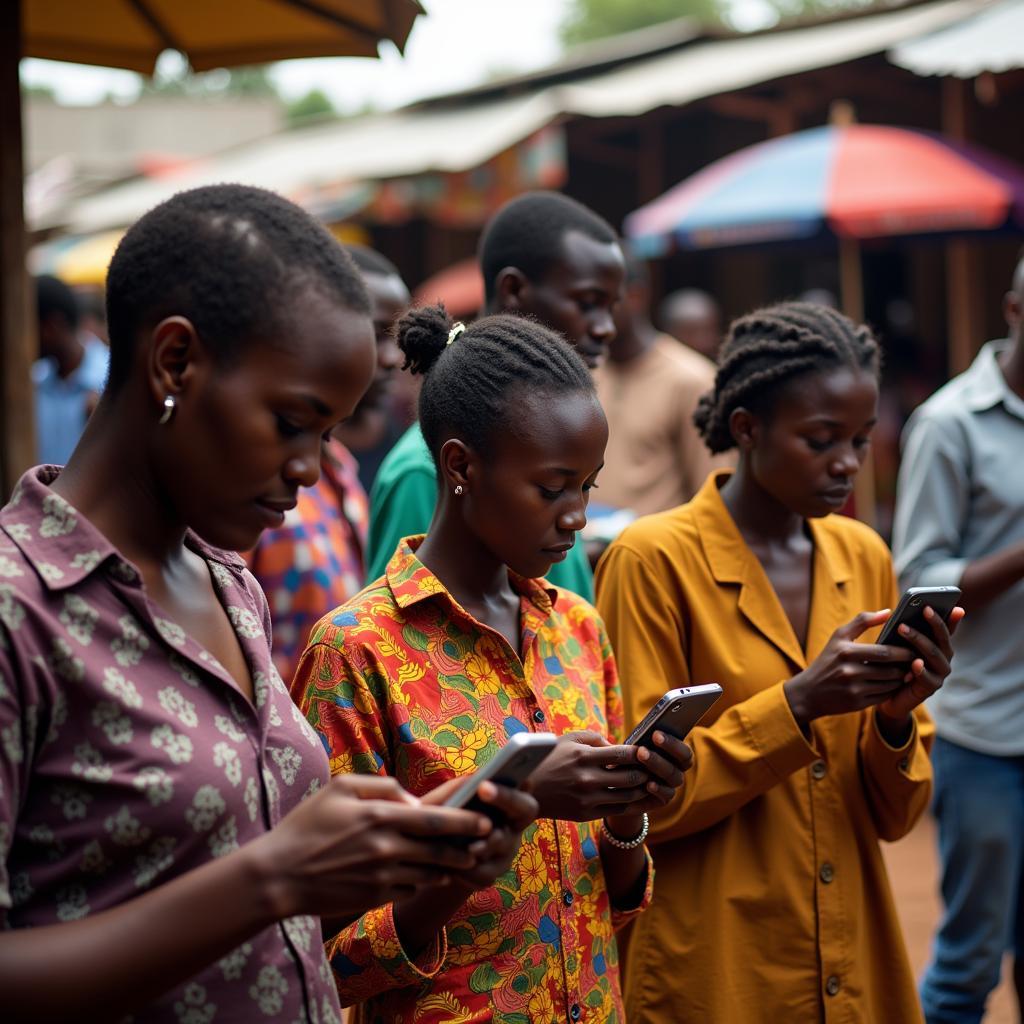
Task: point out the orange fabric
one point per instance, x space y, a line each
772 901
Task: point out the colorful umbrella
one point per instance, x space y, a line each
858 181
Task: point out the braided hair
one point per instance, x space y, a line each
766 350
470 385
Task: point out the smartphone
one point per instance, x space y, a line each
676 713
511 766
910 610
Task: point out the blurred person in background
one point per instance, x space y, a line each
545 256
694 318
649 387
372 430
69 375
315 560
960 520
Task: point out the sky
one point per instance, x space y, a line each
458 44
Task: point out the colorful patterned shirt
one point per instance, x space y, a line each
314 562
129 755
402 681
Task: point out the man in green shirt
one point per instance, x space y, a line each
542 255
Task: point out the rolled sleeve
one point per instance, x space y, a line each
898 780
768 719
367 957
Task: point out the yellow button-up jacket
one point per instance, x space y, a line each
772 902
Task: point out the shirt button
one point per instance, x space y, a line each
904 765
567 898
574 1011
819 769
538 716
827 872
833 985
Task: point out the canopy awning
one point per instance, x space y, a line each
990 40
456 134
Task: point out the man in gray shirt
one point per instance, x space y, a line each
960 520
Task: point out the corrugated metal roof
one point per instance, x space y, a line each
456 137
990 40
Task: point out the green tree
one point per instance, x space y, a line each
316 103
596 19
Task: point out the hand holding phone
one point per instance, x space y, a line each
510 767
910 612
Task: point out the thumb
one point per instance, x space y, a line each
861 624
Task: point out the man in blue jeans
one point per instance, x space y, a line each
960 520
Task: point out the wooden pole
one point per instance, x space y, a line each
17 315
964 309
851 287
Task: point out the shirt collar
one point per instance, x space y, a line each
63 546
986 385
411 581
727 553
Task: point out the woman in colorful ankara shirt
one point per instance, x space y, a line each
168 831
460 645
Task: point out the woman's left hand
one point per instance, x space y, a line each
926 673
667 765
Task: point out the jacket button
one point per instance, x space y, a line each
819 770
833 985
827 872
538 716
574 1011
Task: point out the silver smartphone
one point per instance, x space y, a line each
910 610
676 713
511 766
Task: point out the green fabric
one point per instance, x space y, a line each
402 504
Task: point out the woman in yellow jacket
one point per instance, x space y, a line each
772 903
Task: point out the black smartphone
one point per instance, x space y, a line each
676 713
511 766
910 611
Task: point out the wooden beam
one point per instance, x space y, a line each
17 316
964 310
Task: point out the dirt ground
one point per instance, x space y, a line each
913 871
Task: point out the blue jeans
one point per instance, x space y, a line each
979 804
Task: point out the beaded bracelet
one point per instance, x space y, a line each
626 844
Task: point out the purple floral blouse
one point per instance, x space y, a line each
128 756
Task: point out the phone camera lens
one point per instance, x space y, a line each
915 603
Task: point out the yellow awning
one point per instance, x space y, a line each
212 33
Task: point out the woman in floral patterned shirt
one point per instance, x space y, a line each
428 672
157 854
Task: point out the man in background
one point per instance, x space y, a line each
693 317
69 375
649 387
960 521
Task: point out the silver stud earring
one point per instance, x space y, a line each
458 490
169 406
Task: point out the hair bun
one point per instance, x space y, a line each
422 335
